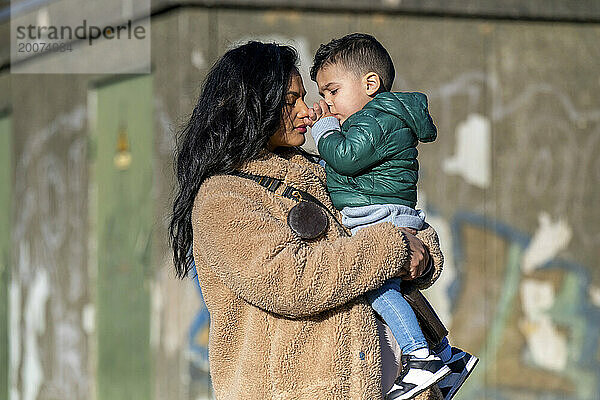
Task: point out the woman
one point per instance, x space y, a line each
288 319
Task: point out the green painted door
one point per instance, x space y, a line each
5 224
122 172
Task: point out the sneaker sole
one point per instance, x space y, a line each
468 369
438 376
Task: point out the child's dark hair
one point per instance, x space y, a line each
360 53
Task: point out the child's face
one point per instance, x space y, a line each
342 90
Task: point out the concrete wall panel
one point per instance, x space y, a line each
50 298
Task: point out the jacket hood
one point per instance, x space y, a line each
410 107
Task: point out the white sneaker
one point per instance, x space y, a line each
417 375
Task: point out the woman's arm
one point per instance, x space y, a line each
259 258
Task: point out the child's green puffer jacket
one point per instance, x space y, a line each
373 160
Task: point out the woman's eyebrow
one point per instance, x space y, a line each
293 94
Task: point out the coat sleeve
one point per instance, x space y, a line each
351 152
258 257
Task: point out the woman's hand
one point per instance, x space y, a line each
419 256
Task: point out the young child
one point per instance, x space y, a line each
372 172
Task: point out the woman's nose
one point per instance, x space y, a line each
302 110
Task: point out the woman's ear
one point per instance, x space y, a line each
372 83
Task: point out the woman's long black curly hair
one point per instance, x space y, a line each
240 107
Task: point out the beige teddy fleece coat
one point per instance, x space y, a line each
288 319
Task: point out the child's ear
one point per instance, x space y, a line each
372 83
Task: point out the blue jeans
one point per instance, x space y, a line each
387 301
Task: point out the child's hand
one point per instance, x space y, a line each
318 111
